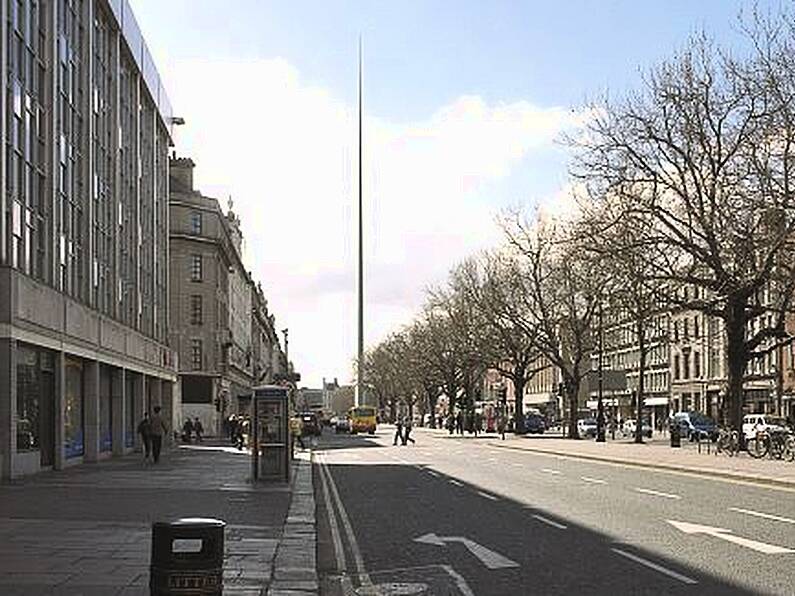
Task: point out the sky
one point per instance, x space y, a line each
465 103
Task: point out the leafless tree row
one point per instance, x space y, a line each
684 190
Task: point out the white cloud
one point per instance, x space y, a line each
286 151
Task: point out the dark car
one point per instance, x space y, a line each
695 426
310 424
533 423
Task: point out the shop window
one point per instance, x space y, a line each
74 441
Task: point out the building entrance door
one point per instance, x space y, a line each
47 419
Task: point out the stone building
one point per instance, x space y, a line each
220 324
84 318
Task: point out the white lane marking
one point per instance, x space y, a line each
461 583
339 551
346 524
487 495
549 471
432 473
724 534
593 480
765 515
655 566
549 522
456 482
648 491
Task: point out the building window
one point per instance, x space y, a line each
696 365
676 330
196 309
196 354
676 367
195 222
686 366
696 331
196 268
685 330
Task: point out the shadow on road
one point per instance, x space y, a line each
391 506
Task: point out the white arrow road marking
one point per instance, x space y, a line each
456 482
488 557
593 480
648 491
724 534
549 522
655 566
487 495
765 515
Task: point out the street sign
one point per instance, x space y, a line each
723 534
490 558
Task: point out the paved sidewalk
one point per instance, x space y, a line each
656 453
87 530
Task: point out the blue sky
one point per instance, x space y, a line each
463 103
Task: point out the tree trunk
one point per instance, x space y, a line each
736 361
572 390
641 331
432 398
518 398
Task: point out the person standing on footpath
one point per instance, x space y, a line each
145 430
157 429
198 428
187 430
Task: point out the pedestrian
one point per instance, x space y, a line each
187 430
198 429
398 432
233 424
157 428
501 426
145 430
407 432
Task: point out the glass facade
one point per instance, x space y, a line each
131 422
86 153
35 401
74 435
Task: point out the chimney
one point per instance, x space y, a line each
181 173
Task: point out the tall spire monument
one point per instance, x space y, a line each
360 393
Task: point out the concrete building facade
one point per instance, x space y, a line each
85 132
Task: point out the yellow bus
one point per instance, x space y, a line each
362 419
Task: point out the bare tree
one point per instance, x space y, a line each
492 286
704 151
560 289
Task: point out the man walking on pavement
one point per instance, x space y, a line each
399 432
407 432
145 430
198 429
157 428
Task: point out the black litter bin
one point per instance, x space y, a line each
187 557
676 439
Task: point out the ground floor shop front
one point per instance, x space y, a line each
61 407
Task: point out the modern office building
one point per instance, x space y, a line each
84 316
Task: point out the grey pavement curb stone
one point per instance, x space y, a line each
659 466
295 564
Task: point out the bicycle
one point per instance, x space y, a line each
728 442
779 444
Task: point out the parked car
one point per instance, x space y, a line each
754 423
534 423
694 425
310 424
587 427
343 425
629 428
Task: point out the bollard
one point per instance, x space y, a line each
187 557
676 440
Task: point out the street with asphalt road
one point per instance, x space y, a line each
459 515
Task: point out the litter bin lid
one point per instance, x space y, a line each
195 521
